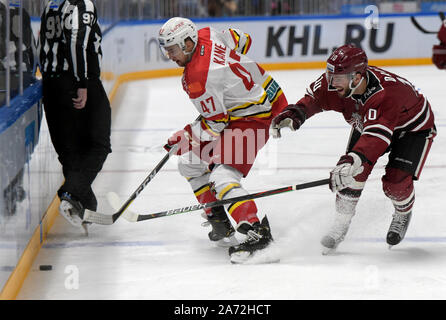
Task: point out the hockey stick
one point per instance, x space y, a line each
135 217
100 218
419 27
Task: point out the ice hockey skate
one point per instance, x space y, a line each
398 228
71 210
222 232
258 239
336 233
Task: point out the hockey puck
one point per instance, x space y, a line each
45 267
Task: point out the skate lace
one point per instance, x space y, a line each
252 236
66 206
398 223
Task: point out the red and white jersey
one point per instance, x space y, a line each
442 32
389 107
225 85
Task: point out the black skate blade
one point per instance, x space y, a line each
85 225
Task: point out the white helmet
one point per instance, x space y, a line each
176 31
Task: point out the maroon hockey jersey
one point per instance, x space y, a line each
389 107
442 32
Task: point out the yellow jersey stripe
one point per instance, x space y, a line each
267 81
248 40
202 190
260 115
250 104
208 128
279 93
237 37
234 206
227 189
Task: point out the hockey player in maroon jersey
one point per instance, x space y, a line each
439 50
237 100
387 114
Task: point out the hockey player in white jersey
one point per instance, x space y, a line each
237 100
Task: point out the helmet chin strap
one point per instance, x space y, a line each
189 54
353 89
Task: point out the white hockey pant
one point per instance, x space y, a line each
224 179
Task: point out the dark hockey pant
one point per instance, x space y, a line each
407 155
81 138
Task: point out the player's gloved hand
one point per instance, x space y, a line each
292 117
184 139
343 175
439 55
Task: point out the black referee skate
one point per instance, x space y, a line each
221 225
71 209
398 228
258 238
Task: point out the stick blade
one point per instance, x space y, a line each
98 218
115 202
130 216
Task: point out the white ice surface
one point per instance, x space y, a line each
172 258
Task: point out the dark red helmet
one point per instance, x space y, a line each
347 59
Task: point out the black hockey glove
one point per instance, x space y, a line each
292 117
